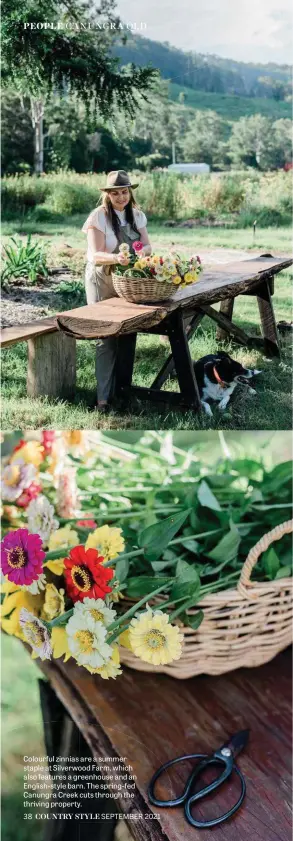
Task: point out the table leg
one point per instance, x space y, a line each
125 361
268 322
167 369
182 360
51 366
64 739
226 308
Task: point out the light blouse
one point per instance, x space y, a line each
98 219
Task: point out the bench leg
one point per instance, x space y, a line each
51 366
268 322
226 308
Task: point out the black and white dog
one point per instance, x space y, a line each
217 377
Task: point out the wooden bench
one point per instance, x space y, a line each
142 720
51 341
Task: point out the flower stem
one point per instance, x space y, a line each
131 612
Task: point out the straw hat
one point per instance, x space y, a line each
116 179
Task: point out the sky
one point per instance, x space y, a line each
247 30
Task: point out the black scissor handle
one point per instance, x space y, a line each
178 800
212 787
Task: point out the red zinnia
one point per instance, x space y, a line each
85 574
86 524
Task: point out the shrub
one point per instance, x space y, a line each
72 198
22 192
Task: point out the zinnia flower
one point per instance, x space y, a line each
41 518
36 634
48 438
111 668
85 574
32 452
86 524
153 639
16 477
63 537
22 557
87 640
137 246
96 610
107 540
28 494
54 603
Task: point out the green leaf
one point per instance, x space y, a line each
122 569
193 621
141 585
154 539
191 545
284 572
227 548
187 583
271 563
206 497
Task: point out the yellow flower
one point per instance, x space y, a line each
124 640
11 514
176 279
153 639
143 262
73 437
54 603
59 643
156 260
63 538
56 567
190 277
110 669
32 452
107 540
137 265
11 607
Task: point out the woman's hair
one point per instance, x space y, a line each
112 215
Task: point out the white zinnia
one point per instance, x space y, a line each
87 640
95 610
35 633
41 518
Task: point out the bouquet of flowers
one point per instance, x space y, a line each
62 603
171 268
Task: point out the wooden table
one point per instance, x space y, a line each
51 354
148 719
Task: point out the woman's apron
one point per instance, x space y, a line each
98 279
99 287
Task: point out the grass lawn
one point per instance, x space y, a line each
21 732
245 412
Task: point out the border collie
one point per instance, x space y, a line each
217 377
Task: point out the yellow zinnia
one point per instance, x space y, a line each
63 537
59 643
11 607
176 279
107 540
54 603
32 452
110 669
153 639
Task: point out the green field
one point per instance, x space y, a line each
231 107
245 412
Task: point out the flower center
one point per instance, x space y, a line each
34 634
16 557
12 475
85 640
82 578
155 639
97 615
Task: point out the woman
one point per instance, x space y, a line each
116 220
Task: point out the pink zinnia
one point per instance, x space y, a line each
22 557
48 438
28 494
137 246
86 524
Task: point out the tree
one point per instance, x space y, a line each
65 47
17 148
203 141
257 141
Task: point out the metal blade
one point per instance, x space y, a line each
237 742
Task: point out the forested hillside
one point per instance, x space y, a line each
208 73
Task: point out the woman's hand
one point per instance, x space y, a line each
123 259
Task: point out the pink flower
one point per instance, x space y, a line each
48 438
27 495
137 246
86 524
22 557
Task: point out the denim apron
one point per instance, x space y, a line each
99 287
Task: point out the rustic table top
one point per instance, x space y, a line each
149 719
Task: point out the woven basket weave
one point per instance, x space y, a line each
246 626
141 290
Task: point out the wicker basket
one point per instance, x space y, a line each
246 626
141 290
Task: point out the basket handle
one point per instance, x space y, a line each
245 582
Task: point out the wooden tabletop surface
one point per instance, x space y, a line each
117 316
149 719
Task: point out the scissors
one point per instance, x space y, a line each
225 757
